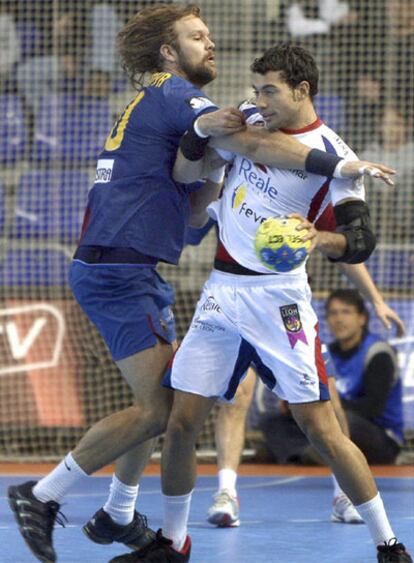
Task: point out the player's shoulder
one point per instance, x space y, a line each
335 144
173 87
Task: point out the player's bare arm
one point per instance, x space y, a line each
276 149
224 130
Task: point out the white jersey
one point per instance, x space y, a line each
254 192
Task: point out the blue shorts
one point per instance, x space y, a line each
130 305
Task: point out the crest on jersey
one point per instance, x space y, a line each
239 195
293 325
198 103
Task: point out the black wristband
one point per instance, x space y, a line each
192 146
321 163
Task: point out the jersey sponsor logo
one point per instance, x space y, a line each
293 325
239 204
198 103
255 180
239 195
250 213
299 173
104 170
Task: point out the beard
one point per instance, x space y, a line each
199 74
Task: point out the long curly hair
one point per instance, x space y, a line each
139 42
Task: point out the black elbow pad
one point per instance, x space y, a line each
353 221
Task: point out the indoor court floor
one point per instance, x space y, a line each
285 518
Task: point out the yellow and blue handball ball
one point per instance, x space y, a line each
279 245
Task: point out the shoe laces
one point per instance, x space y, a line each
392 546
223 497
342 501
142 520
57 514
158 541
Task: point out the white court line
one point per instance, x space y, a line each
264 484
205 524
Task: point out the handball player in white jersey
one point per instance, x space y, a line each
246 314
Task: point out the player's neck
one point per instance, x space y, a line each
305 116
173 69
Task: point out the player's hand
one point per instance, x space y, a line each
388 316
311 234
357 168
221 122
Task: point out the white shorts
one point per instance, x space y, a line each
241 320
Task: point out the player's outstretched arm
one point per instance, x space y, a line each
361 278
284 151
225 129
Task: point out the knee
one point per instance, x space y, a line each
152 415
181 429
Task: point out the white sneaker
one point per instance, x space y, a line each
224 513
344 511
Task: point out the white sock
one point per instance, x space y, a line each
373 513
57 483
176 512
337 492
227 480
121 501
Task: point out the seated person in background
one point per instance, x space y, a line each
367 378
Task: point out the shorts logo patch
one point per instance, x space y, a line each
307 380
211 305
293 324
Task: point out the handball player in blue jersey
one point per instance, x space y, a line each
136 216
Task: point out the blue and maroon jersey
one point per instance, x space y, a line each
134 202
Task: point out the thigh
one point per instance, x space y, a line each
281 325
129 305
144 370
212 358
245 391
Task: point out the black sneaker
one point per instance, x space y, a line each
393 552
102 529
158 551
36 520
